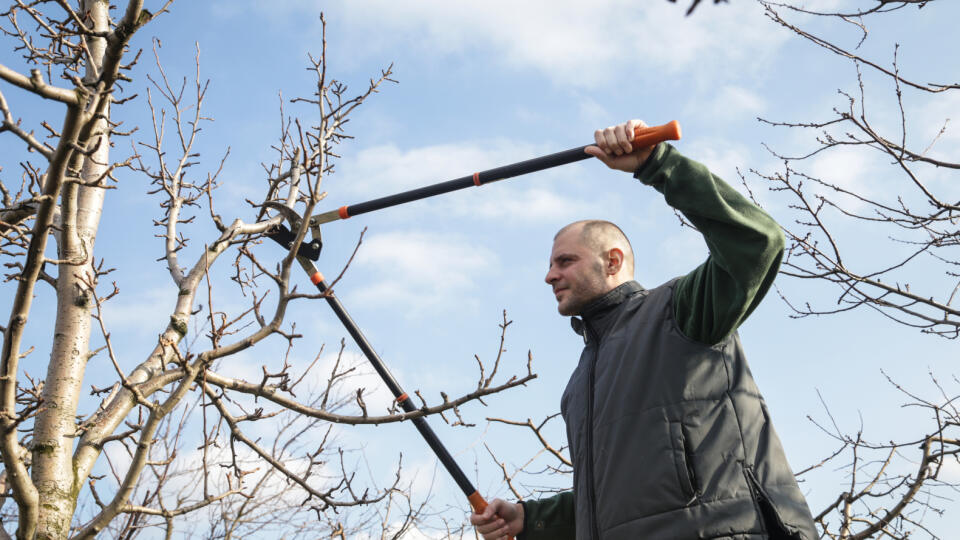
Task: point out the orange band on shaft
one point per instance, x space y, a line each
402 397
476 179
342 212
316 278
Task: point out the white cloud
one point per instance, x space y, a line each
725 158
419 269
678 254
143 311
847 168
581 44
528 205
586 44
951 471
577 43
376 170
722 157
592 110
939 112
422 475
734 103
565 40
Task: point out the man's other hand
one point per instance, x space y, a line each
501 519
613 147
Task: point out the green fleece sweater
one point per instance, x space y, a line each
711 301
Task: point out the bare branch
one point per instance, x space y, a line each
35 83
272 394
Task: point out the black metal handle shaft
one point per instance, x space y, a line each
478 179
402 398
643 136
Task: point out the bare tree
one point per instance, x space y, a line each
170 407
891 486
907 273
918 216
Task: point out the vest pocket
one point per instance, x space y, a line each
683 461
776 528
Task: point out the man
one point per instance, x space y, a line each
668 434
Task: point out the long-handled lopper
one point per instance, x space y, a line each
642 136
309 252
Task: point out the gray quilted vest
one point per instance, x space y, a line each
670 438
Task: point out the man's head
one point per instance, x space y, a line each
589 259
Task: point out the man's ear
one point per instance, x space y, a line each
614 261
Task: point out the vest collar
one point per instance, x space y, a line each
597 313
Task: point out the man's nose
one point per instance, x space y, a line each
551 276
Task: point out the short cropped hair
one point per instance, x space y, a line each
600 235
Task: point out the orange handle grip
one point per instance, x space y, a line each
649 136
478 504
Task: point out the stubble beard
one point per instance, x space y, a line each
582 293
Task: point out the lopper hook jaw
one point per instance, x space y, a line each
286 236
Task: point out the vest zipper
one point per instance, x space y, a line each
768 512
591 494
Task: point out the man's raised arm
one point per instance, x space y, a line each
746 244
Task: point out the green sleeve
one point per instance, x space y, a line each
745 244
549 519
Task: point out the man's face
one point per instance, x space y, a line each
576 273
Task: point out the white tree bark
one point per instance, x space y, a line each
81 204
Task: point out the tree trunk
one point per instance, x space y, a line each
55 428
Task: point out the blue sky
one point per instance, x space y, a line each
482 85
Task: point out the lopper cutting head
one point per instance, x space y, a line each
286 236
